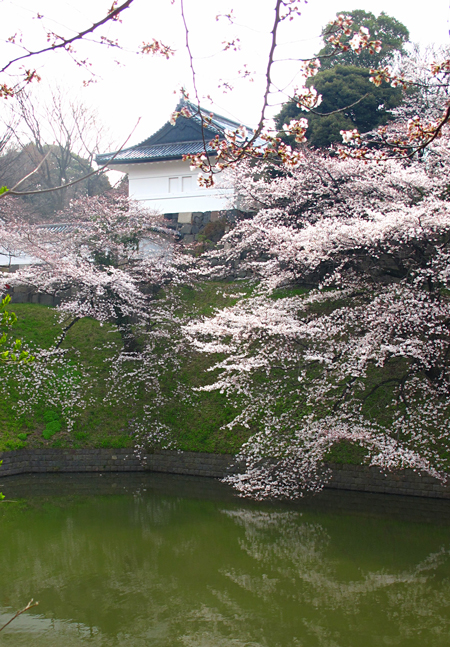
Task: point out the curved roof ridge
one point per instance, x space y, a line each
218 123
165 138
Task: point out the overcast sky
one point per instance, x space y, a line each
130 86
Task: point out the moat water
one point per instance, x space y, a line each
164 561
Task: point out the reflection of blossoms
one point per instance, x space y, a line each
286 547
208 572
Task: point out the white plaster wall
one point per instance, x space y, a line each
171 187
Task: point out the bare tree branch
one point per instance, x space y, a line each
30 605
29 174
81 179
66 42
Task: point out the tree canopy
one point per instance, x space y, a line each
391 32
344 81
352 99
308 366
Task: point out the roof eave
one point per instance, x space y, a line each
140 160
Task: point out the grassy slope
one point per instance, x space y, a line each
197 423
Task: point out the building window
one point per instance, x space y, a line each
186 184
174 185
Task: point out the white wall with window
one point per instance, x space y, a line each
171 187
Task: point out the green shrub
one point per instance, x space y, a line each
53 424
50 416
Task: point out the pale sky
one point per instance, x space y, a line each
146 87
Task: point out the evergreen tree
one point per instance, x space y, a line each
392 33
352 100
349 99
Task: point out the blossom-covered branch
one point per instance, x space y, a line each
365 249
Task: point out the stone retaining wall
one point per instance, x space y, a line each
25 294
23 461
362 478
344 477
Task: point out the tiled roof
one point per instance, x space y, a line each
155 152
171 142
56 228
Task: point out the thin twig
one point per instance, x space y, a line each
112 15
65 186
30 605
32 172
194 82
333 112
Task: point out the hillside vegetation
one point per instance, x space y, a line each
106 420
193 420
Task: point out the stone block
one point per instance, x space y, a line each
22 297
188 239
21 289
215 215
185 229
185 217
46 299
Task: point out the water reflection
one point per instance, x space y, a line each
148 562
400 600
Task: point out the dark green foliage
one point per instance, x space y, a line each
344 80
392 33
53 424
348 90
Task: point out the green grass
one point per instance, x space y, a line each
198 423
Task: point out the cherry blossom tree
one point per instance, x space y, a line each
18 72
350 308
349 262
90 260
340 37
91 263
347 33
422 118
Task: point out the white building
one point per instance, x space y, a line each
157 175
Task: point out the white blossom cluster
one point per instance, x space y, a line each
90 260
365 249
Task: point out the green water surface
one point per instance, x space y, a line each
166 561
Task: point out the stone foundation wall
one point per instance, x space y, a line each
362 478
188 226
344 477
25 294
23 461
